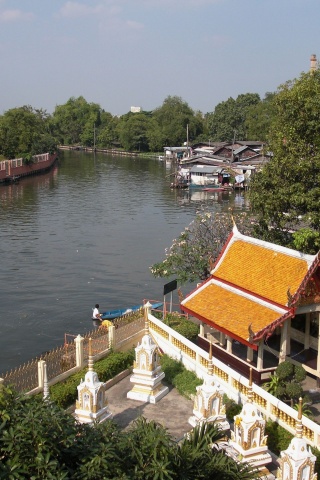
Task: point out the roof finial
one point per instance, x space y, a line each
313 63
210 366
90 360
250 391
299 420
232 217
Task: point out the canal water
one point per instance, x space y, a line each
84 233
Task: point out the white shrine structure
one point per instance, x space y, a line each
208 402
248 442
297 462
92 403
147 374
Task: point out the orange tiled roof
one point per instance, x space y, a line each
230 311
261 270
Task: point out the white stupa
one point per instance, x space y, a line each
92 404
147 374
208 403
248 442
297 462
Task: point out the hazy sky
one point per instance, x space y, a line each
123 53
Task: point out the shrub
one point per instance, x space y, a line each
186 383
232 408
180 324
64 393
178 376
278 437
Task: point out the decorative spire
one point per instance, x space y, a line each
90 360
146 320
232 217
299 420
210 366
250 391
46 392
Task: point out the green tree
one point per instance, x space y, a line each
25 131
200 243
229 117
285 194
173 117
133 131
285 383
74 121
259 118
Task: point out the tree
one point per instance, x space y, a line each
285 194
39 440
285 383
199 244
173 117
259 118
74 121
229 117
133 131
25 131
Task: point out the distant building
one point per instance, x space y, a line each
136 109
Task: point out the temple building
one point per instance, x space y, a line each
259 307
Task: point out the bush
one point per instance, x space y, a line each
278 437
232 408
180 324
64 393
178 376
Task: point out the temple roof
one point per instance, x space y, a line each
251 288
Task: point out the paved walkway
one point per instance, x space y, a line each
172 411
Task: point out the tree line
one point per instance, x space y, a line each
284 196
25 130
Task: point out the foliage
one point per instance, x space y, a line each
25 131
172 119
278 437
285 383
65 393
178 376
229 118
186 383
180 324
199 244
232 408
259 118
38 440
285 194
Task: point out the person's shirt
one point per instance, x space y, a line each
95 314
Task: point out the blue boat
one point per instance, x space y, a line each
111 314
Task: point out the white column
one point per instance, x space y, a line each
229 345
111 335
201 333
260 356
79 351
222 339
284 342
40 373
249 354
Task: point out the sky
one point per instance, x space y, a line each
123 53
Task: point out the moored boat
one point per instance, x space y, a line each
112 314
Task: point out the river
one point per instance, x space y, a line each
84 233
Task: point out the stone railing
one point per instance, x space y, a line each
235 385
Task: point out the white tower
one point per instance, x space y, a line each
297 462
147 373
248 440
92 404
208 402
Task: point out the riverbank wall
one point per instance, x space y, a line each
110 151
12 170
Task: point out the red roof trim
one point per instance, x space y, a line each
315 264
269 329
223 248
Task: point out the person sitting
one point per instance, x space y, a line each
96 315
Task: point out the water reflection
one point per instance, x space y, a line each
85 233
